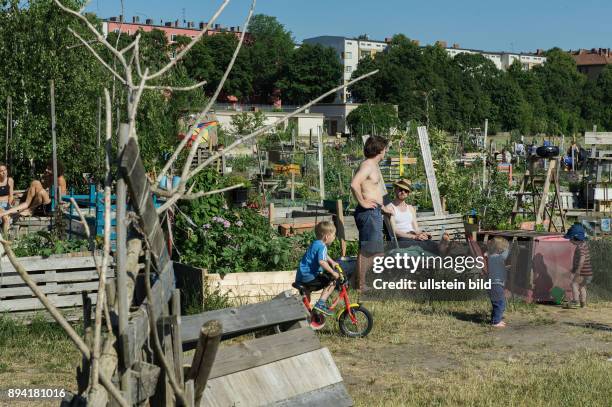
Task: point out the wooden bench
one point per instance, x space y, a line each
435 225
63 278
287 368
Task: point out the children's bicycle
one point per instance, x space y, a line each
354 320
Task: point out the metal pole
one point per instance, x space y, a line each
121 243
99 133
321 174
484 158
54 138
8 125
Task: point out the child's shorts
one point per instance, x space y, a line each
320 282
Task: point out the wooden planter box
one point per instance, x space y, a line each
241 288
63 278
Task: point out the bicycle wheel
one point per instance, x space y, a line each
363 322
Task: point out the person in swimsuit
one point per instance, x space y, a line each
368 187
38 194
404 221
6 194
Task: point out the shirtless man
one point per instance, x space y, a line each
368 188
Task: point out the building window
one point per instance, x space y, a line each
116 31
173 37
349 43
348 69
348 55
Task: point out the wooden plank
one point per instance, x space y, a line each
49 289
133 171
434 218
298 221
42 264
30 304
429 170
261 351
273 382
138 327
72 275
333 395
245 319
597 138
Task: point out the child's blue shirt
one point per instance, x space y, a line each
309 266
497 267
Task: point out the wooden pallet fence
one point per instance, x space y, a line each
62 277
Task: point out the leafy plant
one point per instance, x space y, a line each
45 244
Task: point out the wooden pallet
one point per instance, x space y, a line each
62 278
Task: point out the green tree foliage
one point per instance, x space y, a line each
36 47
373 119
311 71
458 93
269 52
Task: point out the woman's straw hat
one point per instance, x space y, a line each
404 184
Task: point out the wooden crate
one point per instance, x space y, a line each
63 278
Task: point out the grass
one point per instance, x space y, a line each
446 354
418 354
36 355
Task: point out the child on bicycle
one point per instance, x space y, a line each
316 269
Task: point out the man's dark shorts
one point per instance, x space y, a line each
320 282
370 224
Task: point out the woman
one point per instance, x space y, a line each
6 193
404 220
38 194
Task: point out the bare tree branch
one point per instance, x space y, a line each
189 196
93 29
191 44
131 45
262 130
98 57
213 99
59 318
95 259
153 331
102 278
177 88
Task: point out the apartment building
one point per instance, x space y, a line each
502 60
350 51
172 29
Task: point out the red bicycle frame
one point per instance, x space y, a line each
342 295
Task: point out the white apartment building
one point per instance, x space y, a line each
502 60
350 51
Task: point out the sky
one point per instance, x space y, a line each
492 25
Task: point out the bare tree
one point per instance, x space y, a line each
127 68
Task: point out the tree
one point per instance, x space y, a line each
207 61
373 119
311 71
269 51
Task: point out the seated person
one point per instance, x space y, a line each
316 269
404 219
38 194
6 193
